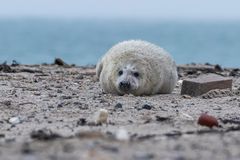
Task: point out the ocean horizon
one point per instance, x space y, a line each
83 42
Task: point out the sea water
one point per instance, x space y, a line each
83 42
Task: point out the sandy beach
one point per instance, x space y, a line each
47 112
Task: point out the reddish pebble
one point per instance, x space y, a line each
207 120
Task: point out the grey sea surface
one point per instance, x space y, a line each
83 42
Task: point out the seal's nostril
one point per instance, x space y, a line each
125 85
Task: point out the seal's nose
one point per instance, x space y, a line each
124 85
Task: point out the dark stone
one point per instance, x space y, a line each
2 135
59 61
235 72
160 119
81 122
118 106
44 135
218 68
6 68
14 63
60 105
147 106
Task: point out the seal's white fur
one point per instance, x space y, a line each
158 73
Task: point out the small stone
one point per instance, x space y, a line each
37 93
60 62
81 122
7 103
101 116
2 135
118 106
122 135
217 67
14 120
44 134
186 116
179 83
186 96
147 106
60 105
207 120
162 118
80 76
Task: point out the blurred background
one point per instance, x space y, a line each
80 32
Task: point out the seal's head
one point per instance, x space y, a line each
131 78
127 79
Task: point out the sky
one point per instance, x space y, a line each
139 9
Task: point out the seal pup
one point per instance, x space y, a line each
136 67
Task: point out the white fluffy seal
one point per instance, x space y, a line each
137 67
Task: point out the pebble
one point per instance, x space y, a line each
162 118
179 83
81 122
207 120
101 116
118 106
186 96
122 135
2 135
186 116
14 120
147 106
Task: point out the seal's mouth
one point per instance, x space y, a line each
124 86
126 89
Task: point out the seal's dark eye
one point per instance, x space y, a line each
136 74
120 72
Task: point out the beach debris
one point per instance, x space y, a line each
207 120
162 118
147 107
205 83
186 96
118 106
2 135
101 116
14 120
195 68
15 63
122 135
186 116
6 102
179 83
91 135
60 62
44 134
235 72
217 93
82 122
4 67
217 67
